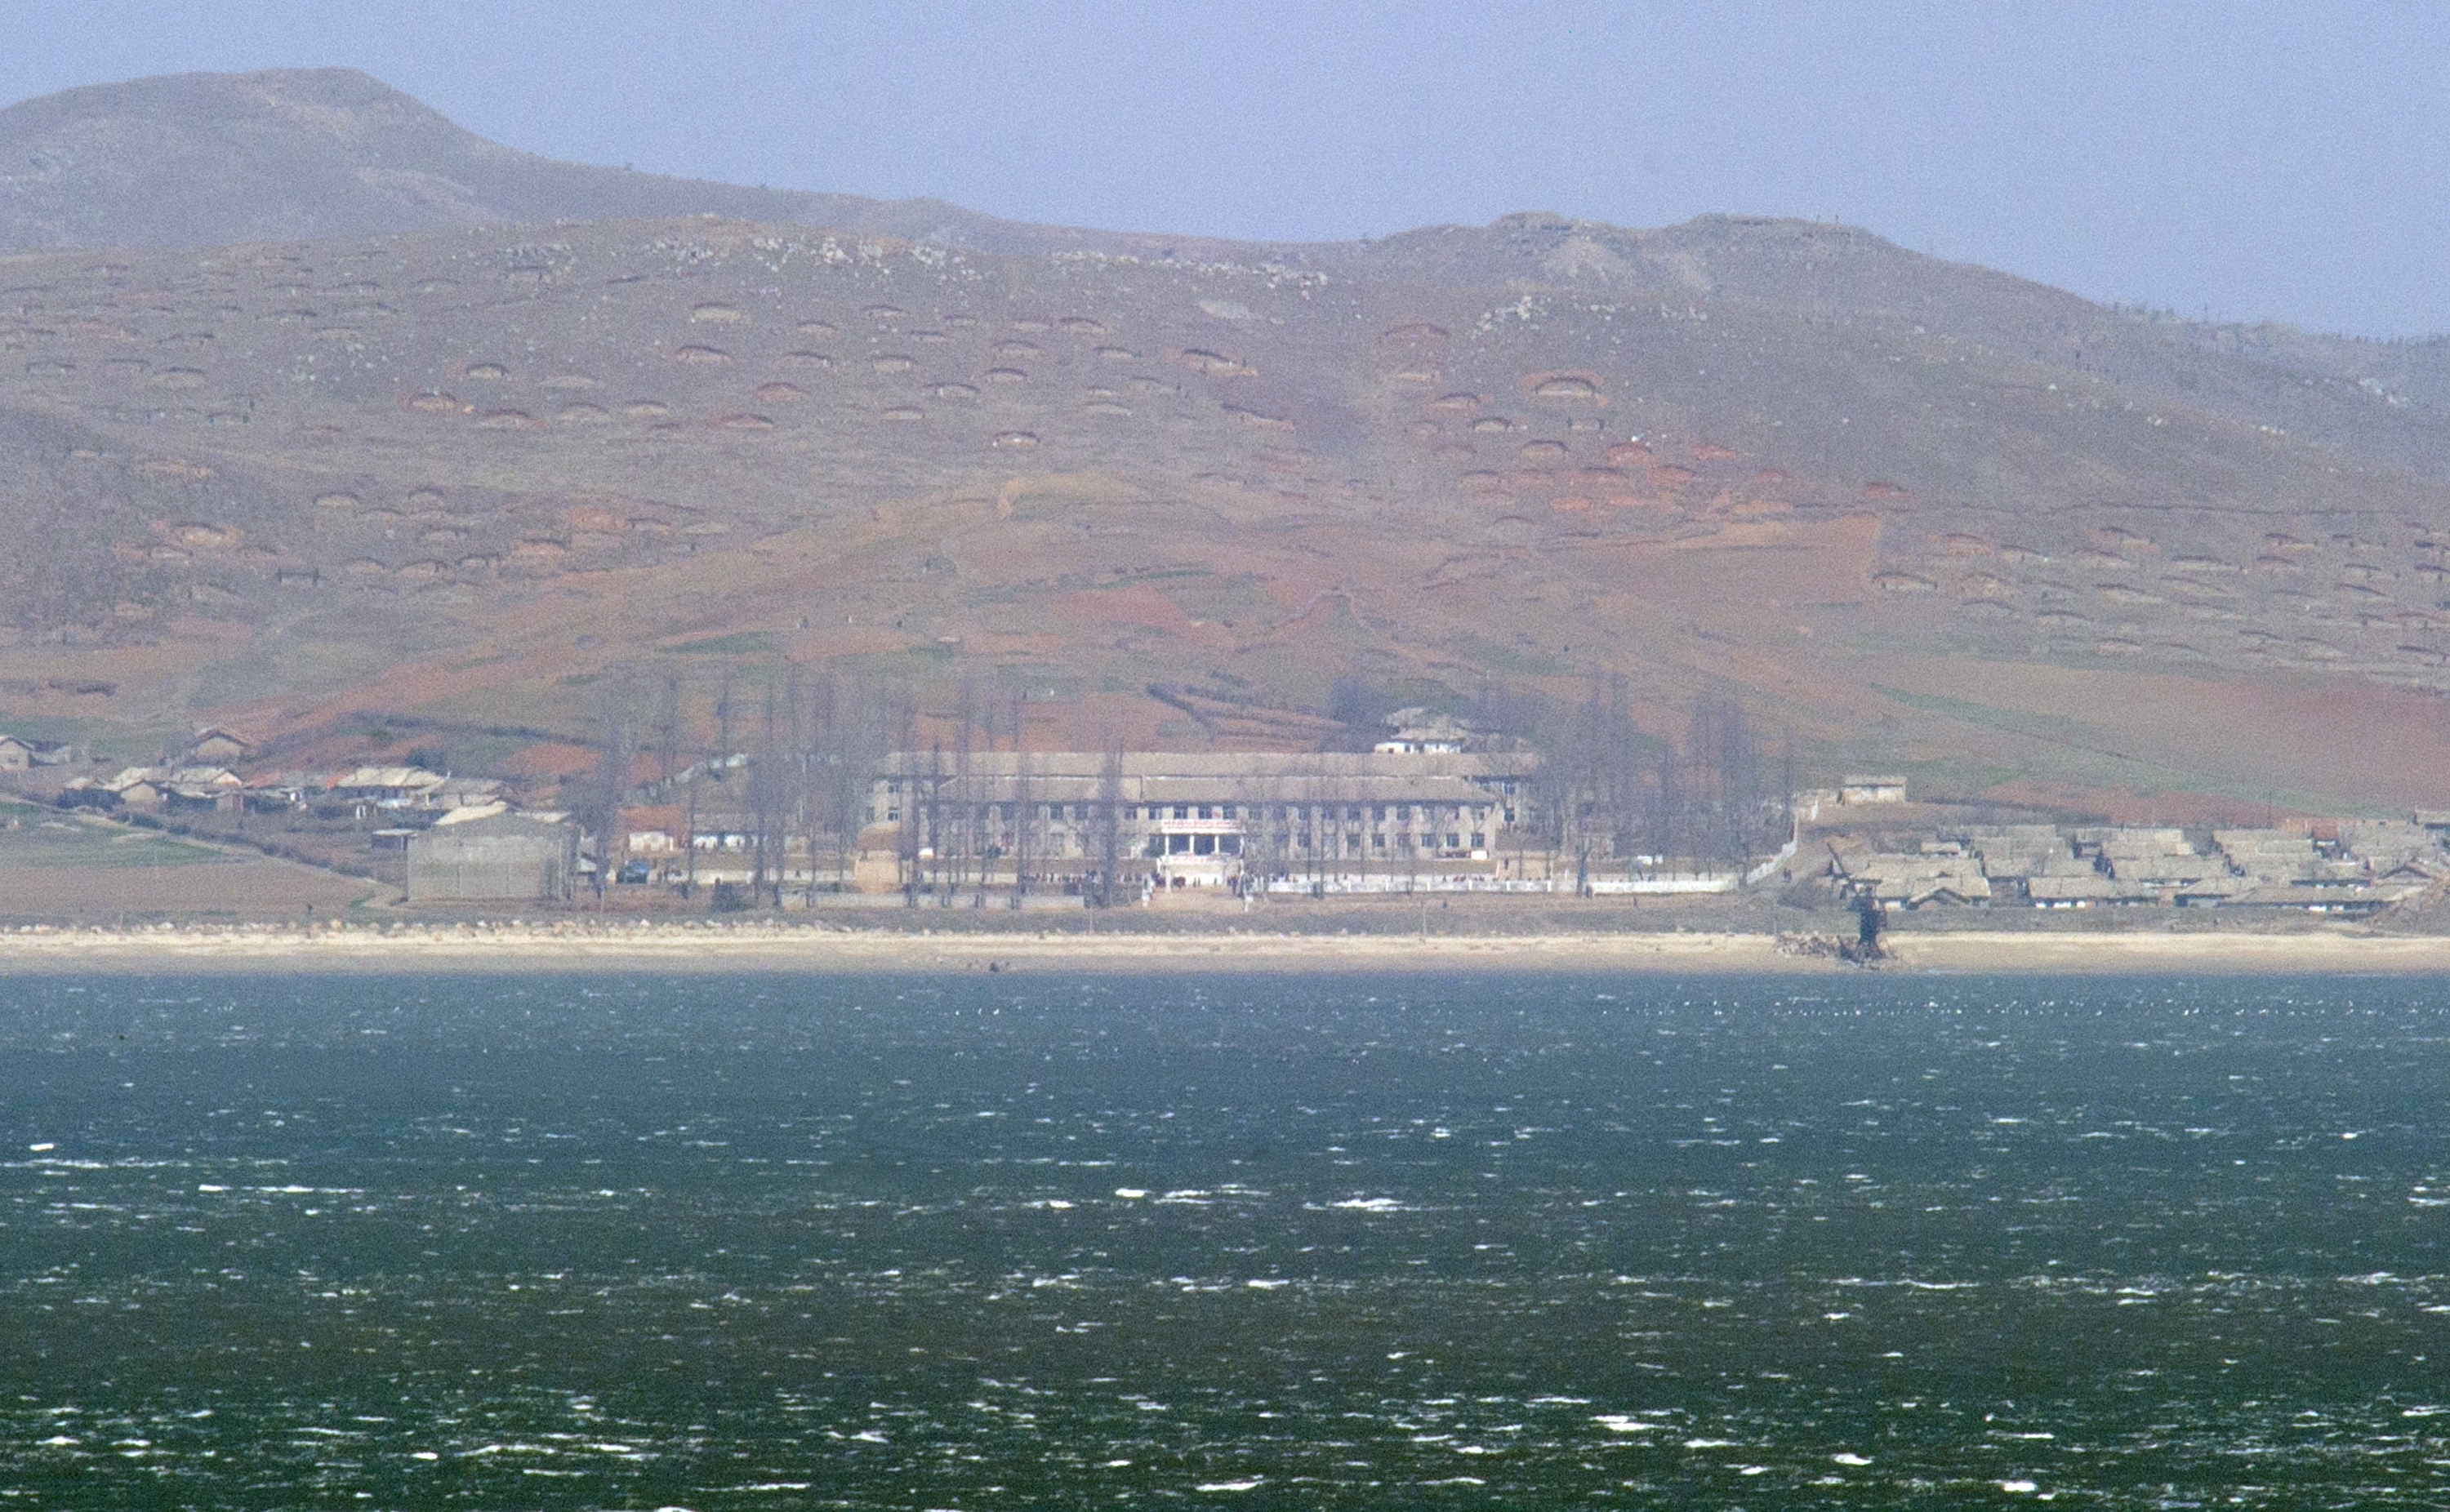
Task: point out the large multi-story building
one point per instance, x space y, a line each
1184 821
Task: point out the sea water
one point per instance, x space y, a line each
767 1242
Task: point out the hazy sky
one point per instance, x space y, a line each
2244 160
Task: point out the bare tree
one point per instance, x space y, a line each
1260 814
696 779
903 789
861 725
965 839
1728 810
800 821
1310 829
765 774
933 811
1108 835
1025 806
1410 844
600 805
668 729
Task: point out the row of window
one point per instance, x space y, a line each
1286 846
1295 845
1281 813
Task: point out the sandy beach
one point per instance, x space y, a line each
2212 951
787 948
666 947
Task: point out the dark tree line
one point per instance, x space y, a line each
959 819
789 769
784 770
1609 793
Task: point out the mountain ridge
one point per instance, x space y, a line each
216 159
457 474
334 152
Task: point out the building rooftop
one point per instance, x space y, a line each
1213 766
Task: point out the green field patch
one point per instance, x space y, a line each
44 840
2086 759
1520 661
743 643
51 731
2052 727
1210 596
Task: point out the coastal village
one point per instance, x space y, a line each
2348 866
1433 810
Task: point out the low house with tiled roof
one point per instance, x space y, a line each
215 743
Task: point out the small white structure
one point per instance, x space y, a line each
1854 790
1419 732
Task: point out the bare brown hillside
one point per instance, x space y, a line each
210 159
454 479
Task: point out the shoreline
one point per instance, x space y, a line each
785 948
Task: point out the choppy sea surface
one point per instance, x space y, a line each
1257 1242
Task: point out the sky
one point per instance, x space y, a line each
2227 159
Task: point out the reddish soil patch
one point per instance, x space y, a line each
2374 745
1136 605
549 759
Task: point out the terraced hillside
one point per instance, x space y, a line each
1923 514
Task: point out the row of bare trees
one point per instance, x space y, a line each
959 826
789 774
788 778
1608 792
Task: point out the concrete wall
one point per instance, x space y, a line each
510 859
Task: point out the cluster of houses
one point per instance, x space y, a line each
19 755
204 777
2343 866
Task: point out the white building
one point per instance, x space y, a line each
1195 821
1854 790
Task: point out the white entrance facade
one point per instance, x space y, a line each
1195 846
